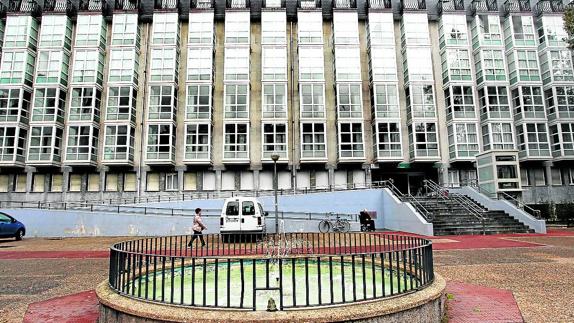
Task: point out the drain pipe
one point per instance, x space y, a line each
144 105
293 170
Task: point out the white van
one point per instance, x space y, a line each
242 215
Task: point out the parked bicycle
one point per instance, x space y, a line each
337 225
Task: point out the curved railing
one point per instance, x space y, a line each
297 269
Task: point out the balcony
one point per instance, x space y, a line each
413 5
483 6
549 6
166 5
380 4
345 4
517 6
238 4
24 6
309 4
92 5
273 3
59 6
126 5
202 4
450 6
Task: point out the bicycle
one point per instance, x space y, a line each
337 225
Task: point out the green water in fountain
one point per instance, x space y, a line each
342 284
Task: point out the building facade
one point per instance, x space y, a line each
129 98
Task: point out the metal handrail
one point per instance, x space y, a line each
407 198
465 202
521 205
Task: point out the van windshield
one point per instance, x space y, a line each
248 208
232 208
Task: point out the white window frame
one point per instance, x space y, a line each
317 145
196 107
158 95
155 147
165 28
163 66
236 63
196 149
388 143
199 64
312 109
125 29
357 147
238 148
81 146
275 141
115 108
311 63
232 109
123 65
349 100
201 28
274 100
118 142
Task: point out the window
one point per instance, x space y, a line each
48 104
44 144
130 182
16 67
415 29
232 208
11 106
533 139
162 102
494 102
565 101
273 27
310 27
346 27
198 101
313 144
497 135
274 100
236 141
274 63
420 100
236 101
20 30
52 67
75 183
463 140
200 28
274 140
528 102
165 29
526 67
312 101
311 63
119 141
237 27
12 142
197 141
388 139
56 31
38 182
56 183
85 104
386 101
152 182
163 64
349 101
380 27
454 30
561 62
383 63
121 103
90 31
347 63
351 140
199 63
552 29
160 141
88 66
522 28
236 63
125 30
248 208
489 26
171 182
491 67
458 65
424 140
420 62
82 142
111 183
459 102
20 183
123 65
563 138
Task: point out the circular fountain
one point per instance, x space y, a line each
277 277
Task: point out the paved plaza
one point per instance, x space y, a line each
486 277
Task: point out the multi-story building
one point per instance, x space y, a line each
125 98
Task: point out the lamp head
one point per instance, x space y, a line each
275 157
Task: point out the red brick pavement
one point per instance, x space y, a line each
468 303
76 308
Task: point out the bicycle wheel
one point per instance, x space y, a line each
324 226
345 226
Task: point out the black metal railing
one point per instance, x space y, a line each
484 6
413 5
57 5
450 6
380 4
309 4
549 6
23 6
166 4
238 4
345 4
92 5
517 6
202 4
273 3
126 5
318 270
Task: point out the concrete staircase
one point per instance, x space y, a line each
451 217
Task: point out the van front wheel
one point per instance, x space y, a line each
324 226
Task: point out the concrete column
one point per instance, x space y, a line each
443 173
293 168
66 170
548 172
368 177
331 170
256 171
217 180
103 170
29 178
141 173
180 170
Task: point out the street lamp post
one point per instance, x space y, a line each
275 158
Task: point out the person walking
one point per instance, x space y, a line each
197 228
